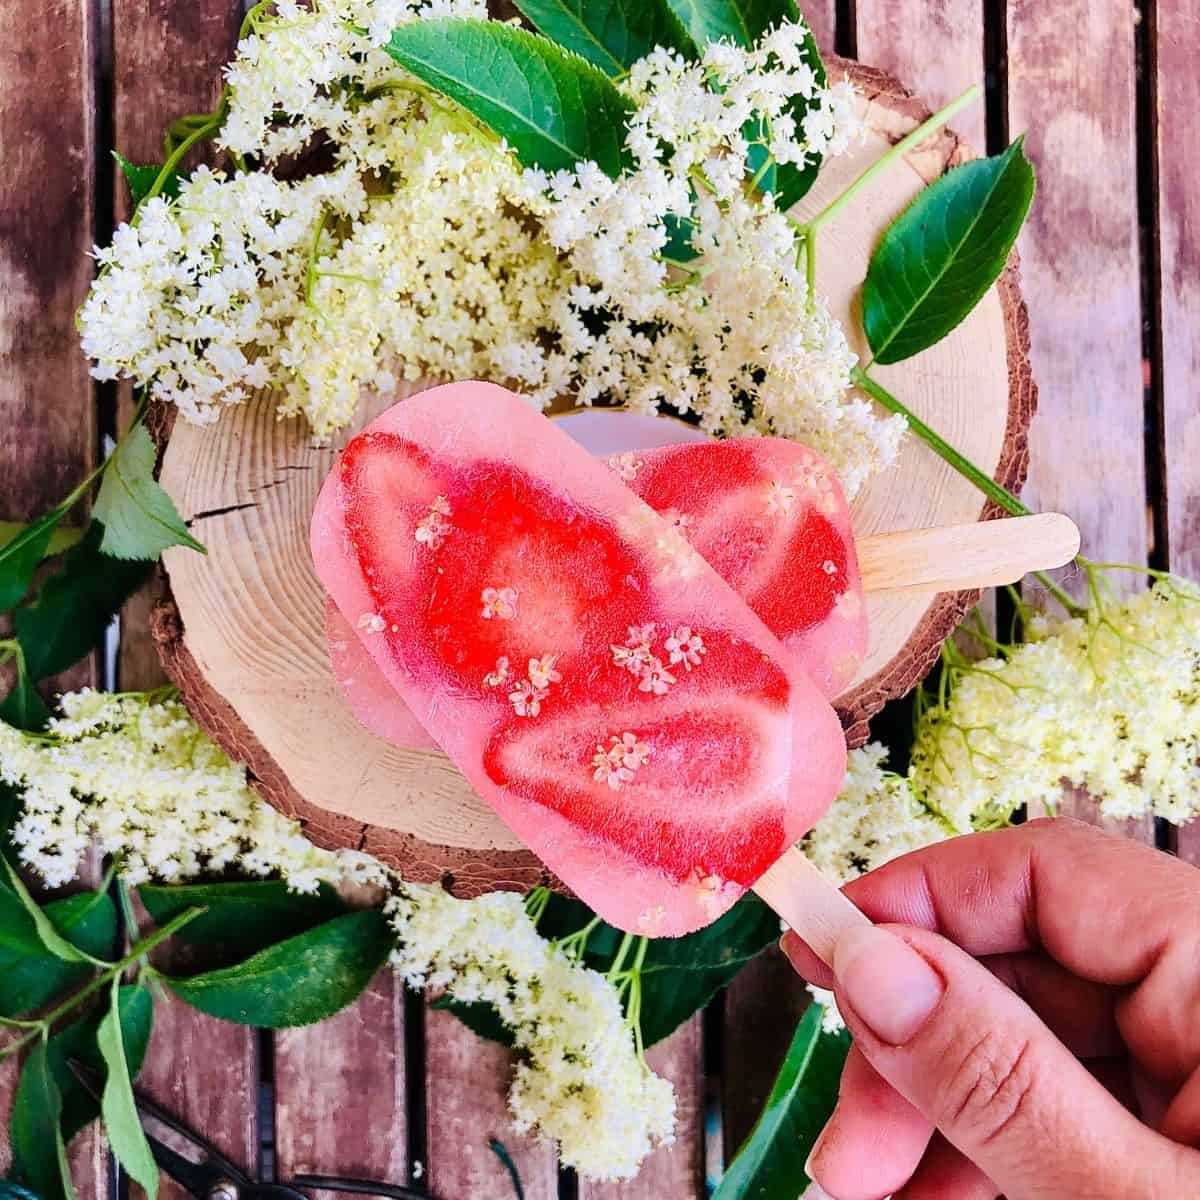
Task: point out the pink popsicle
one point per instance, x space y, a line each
595 680
771 519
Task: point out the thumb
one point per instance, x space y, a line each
971 1056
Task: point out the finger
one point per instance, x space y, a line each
873 1140
804 962
945 1175
1080 1013
1181 1122
975 1059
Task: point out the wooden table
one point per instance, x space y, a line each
1111 261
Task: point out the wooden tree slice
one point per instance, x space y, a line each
242 634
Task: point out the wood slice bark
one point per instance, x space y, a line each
242 632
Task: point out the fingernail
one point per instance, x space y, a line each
886 982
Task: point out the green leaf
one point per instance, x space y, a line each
20 555
78 1041
140 521
39 1152
63 537
75 606
18 936
23 707
740 21
142 178
242 917
679 975
48 935
553 108
770 1165
122 1125
32 977
297 982
610 34
941 255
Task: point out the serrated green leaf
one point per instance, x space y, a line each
553 108
24 708
297 982
75 606
242 917
938 259
122 1125
48 935
32 977
770 1165
62 539
141 179
740 21
140 520
20 555
78 1041
679 975
610 34
39 1152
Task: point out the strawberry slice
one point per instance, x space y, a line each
596 681
769 516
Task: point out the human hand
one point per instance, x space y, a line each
1063 1063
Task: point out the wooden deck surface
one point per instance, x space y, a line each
1106 93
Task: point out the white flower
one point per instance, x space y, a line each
542 673
656 678
499 602
620 762
684 646
527 699
500 674
433 528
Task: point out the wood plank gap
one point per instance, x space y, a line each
1150 264
846 29
995 68
416 1104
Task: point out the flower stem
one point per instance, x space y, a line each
965 467
898 151
622 954
140 951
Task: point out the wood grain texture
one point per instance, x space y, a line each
47 409
196 40
246 645
935 46
1075 99
340 1091
466 1085
821 16
1177 84
672 1172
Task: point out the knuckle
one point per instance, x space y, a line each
990 1089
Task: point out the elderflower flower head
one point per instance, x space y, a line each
426 251
580 1079
1108 702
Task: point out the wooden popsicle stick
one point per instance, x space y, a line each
809 903
957 558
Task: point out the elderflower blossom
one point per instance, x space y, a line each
139 777
580 1079
425 250
1109 702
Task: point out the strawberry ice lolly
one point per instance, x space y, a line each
596 681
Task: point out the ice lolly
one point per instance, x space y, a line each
771 519
596 681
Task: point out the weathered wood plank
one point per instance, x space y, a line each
340 1092
672 1172
1075 99
821 16
167 60
1177 84
47 410
466 1085
934 48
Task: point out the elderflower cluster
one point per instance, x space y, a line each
580 1079
425 250
135 774
1108 702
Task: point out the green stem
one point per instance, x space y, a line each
132 932
310 275
965 467
139 952
622 954
898 151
